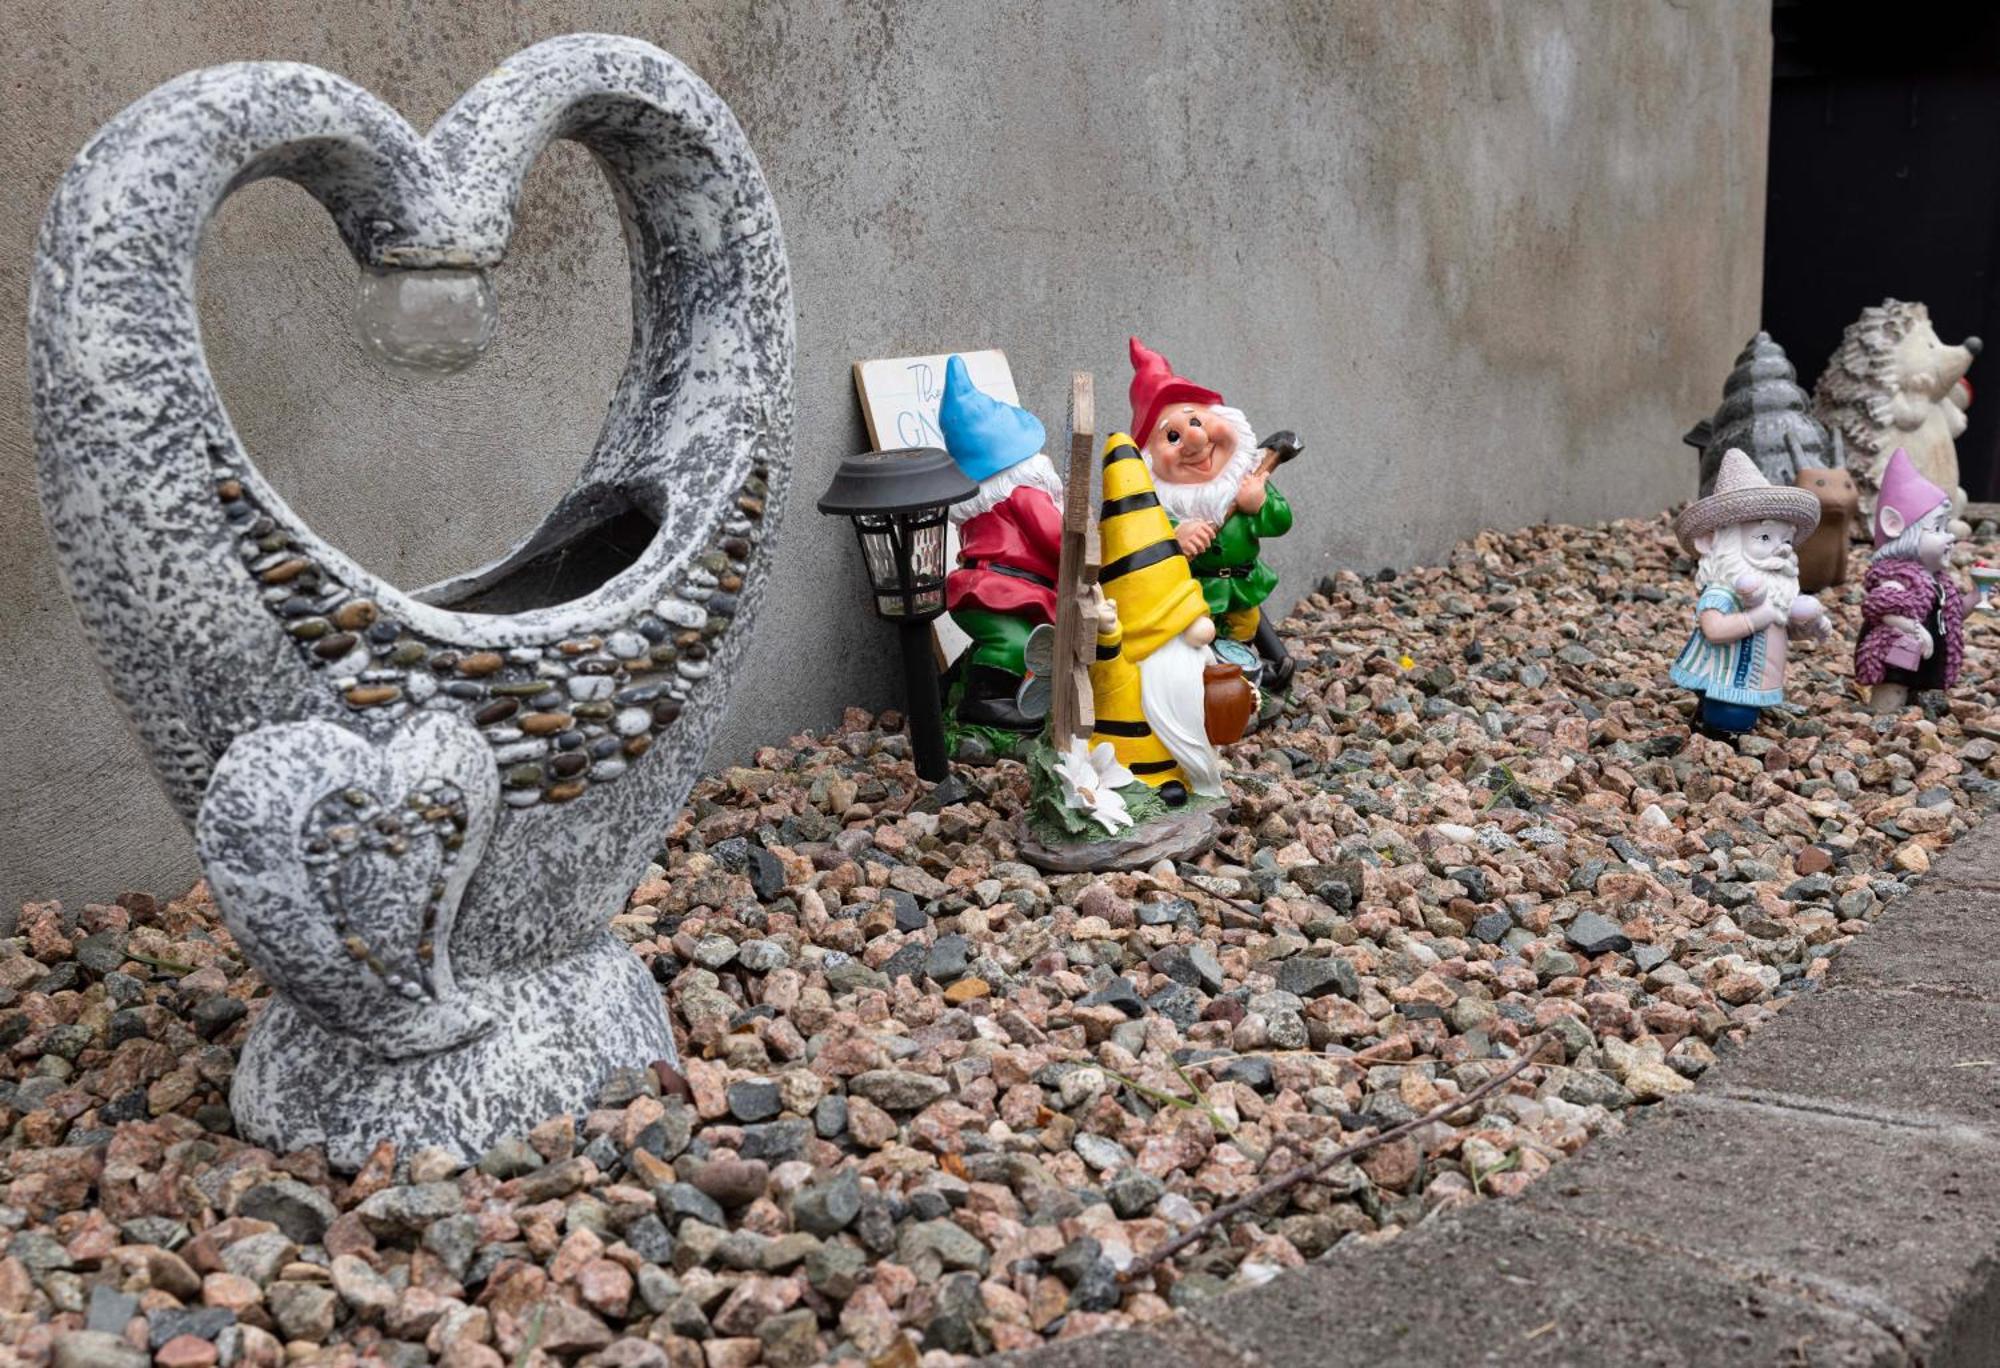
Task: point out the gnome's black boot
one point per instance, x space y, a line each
1279 664
989 700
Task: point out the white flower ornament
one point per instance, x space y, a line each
1091 779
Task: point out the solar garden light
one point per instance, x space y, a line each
898 501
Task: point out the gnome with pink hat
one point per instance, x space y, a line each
1912 618
1745 532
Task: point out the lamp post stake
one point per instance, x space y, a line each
925 709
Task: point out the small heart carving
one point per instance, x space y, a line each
338 863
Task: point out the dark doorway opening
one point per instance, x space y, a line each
1885 182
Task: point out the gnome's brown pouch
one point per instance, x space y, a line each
1227 702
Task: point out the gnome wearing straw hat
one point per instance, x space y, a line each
1150 683
1750 606
1009 543
1213 478
1913 618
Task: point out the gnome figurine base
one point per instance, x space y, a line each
1749 606
1009 541
1213 479
1912 616
1146 784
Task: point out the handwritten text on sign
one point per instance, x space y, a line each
899 394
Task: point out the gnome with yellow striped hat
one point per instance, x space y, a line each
1148 680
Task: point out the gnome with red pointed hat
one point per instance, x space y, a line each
1213 477
1913 617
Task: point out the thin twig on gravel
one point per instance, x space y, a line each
1293 1177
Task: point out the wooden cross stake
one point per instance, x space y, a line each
1070 711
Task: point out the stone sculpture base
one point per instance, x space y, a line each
1180 834
558 1033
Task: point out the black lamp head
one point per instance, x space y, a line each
900 481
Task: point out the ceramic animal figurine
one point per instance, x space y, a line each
1913 616
1893 383
1749 604
419 811
1148 682
1009 545
1213 478
1765 415
1823 555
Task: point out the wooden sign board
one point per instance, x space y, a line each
899 403
899 394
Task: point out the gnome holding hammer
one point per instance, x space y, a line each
1213 477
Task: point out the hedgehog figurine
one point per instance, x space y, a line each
1765 415
1894 384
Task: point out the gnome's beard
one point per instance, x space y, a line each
1037 472
1725 564
1174 697
1213 498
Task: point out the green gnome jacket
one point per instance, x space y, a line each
1232 578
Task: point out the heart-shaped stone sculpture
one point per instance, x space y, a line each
427 993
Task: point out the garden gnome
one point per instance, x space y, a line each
1148 681
1214 482
1009 540
1750 604
1912 618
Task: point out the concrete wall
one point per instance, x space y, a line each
1489 259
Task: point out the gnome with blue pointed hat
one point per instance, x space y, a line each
1009 542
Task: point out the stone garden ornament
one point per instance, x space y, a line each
1765 415
1894 383
418 811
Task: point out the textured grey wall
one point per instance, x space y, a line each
1487 258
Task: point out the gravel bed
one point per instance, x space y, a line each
934 1103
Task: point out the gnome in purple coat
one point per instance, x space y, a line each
1912 619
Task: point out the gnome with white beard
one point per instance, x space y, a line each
1009 546
1749 608
1213 477
1161 699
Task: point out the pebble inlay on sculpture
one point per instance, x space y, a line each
419 811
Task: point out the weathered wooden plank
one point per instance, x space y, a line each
1070 712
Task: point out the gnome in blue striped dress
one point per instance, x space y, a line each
1746 534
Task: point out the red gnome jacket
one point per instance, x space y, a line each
1007 558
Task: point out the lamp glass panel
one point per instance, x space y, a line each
878 551
927 565
905 556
